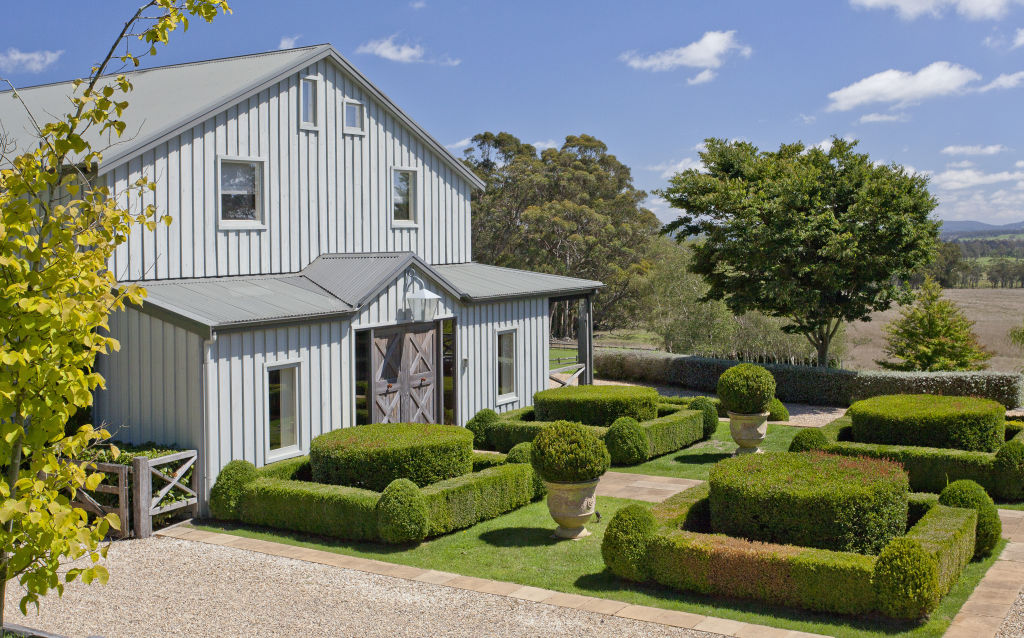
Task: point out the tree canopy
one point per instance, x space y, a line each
569 211
818 237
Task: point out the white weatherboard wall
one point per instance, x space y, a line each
326 191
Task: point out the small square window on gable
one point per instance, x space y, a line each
354 114
241 193
404 196
309 103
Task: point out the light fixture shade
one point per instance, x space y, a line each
422 304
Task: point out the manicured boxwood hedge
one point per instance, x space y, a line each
596 404
924 420
931 469
808 384
858 505
280 495
371 456
679 554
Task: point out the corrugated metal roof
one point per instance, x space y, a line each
168 99
337 284
479 282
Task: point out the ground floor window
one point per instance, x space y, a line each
506 364
282 407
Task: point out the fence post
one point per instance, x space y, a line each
142 496
195 487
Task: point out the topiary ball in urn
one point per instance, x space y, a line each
746 392
570 459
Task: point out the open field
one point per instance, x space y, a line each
995 311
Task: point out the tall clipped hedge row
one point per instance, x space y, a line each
963 423
808 384
597 405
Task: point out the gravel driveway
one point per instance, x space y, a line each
167 587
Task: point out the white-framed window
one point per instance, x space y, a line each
282 401
309 102
506 376
241 195
405 196
353 115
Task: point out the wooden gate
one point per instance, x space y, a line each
404 363
120 489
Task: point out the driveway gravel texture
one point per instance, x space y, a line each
1013 624
168 587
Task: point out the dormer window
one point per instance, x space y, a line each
241 193
309 103
354 114
404 196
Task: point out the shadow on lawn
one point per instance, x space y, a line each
520 537
707 458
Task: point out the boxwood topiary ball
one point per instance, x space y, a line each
566 452
777 411
478 426
970 495
906 580
1010 462
521 453
624 547
707 406
746 389
627 442
807 440
225 492
402 515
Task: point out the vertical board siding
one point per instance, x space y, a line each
324 191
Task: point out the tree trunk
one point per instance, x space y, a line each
822 347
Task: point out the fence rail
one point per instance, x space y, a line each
145 504
120 489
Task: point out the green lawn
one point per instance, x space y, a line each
518 547
695 461
562 353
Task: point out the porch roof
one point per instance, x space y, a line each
334 285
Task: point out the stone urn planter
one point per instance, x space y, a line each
748 431
746 391
570 459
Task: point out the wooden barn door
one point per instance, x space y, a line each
404 376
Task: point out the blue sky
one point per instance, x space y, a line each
936 85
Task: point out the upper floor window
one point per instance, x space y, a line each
309 102
404 199
354 114
241 193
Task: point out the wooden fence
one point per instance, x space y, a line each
146 504
84 500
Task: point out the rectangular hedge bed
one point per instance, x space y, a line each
1001 473
680 553
282 496
674 428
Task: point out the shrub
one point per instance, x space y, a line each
627 442
810 384
484 460
906 578
858 504
312 508
807 440
521 453
225 493
709 414
596 404
566 452
746 389
963 423
372 456
777 411
478 426
947 533
464 501
674 431
970 495
624 547
402 513
1009 463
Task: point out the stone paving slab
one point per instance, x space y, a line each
641 487
731 628
994 597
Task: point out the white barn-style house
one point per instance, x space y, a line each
317 273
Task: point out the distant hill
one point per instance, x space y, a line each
965 228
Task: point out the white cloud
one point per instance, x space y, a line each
1000 206
971 9
461 144
668 169
807 119
960 164
447 61
1019 40
418 4
387 49
707 53
882 117
16 61
1004 81
661 208
1020 164
288 41
544 144
977 149
902 88
956 179
704 76
826 144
